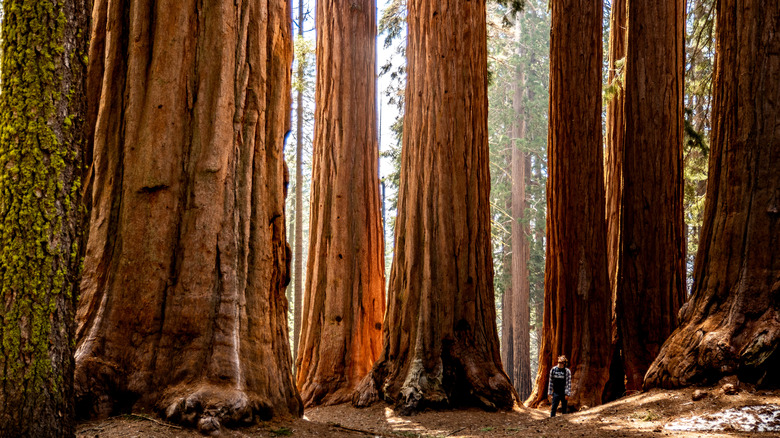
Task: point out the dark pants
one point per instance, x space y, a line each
564 404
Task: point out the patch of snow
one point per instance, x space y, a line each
762 418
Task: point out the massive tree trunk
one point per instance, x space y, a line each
42 108
345 297
440 338
577 296
182 302
613 175
650 285
730 326
520 373
298 255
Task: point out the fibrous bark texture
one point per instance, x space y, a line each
42 138
440 338
650 283
182 302
731 324
345 298
613 175
577 309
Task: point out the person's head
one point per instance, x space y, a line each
562 361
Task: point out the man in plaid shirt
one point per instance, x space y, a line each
560 386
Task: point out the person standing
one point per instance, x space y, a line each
560 386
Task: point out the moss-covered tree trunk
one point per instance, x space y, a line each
345 281
650 280
182 302
578 299
440 338
731 323
42 138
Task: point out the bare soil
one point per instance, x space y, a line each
640 415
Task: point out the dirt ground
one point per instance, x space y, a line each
640 415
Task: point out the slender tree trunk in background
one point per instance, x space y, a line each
42 108
577 296
182 305
650 282
507 314
441 345
614 178
730 324
520 373
345 297
298 265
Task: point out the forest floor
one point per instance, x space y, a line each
649 414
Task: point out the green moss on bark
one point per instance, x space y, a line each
40 165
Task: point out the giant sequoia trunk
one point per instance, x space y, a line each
731 324
42 108
577 298
345 297
613 163
613 176
440 338
650 283
182 301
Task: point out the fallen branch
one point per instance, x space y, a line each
148 418
352 429
455 431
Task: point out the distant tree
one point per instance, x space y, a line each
440 339
302 56
182 306
651 275
42 140
729 326
345 298
577 295
517 44
520 374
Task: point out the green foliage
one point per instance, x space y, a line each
36 192
281 431
700 61
614 88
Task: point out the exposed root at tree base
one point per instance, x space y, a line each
209 407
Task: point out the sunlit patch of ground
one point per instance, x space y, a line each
763 418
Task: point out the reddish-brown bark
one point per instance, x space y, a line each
731 324
577 295
615 134
613 177
440 338
344 297
182 302
650 283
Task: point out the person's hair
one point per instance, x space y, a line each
563 359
